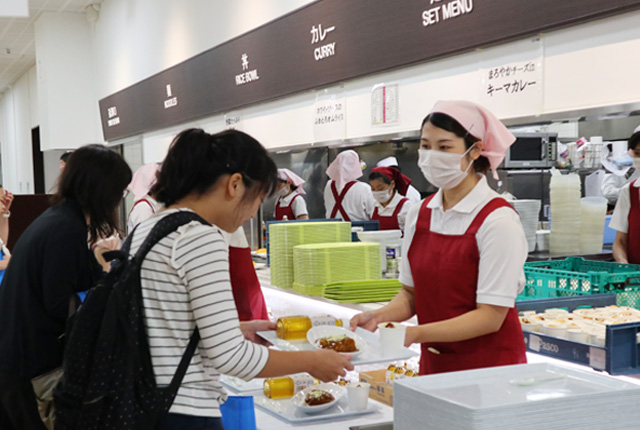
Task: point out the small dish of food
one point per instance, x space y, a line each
318 398
336 338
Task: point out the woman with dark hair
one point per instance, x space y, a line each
464 249
223 178
389 187
51 262
626 215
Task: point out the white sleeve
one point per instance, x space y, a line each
406 278
402 216
299 206
140 212
611 185
329 201
503 250
620 218
200 257
368 202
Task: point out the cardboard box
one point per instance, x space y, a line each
380 390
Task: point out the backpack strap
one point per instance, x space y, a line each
163 228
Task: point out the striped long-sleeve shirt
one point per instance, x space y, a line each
185 282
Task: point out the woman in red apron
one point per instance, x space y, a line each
463 251
345 197
626 215
245 285
388 187
290 203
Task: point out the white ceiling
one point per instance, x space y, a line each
17 40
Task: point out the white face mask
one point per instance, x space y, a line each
636 163
442 169
382 196
282 192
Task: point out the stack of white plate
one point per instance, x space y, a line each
565 214
523 397
529 211
593 213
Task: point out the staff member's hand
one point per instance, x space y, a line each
366 320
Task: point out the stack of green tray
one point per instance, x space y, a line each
382 290
284 236
322 263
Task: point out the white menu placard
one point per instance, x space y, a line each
384 104
329 115
511 79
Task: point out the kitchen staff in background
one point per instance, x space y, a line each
612 184
144 205
345 197
290 202
411 193
465 249
247 293
626 216
387 186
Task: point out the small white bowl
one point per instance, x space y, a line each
555 329
317 333
335 390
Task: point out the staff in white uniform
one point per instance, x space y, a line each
345 197
411 192
463 251
290 202
144 206
387 185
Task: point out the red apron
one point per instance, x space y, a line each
389 222
338 198
633 253
445 273
245 286
281 211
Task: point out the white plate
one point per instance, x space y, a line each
316 333
372 354
335 390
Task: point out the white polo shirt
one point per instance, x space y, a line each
391 207
413 194
358 202
299 206
502 243
620 218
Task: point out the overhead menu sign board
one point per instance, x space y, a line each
327 42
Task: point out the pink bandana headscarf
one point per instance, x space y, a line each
292 178
484 125
345 168
143 180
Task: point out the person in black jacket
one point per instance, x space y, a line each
51 262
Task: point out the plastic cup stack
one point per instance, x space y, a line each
565 214
593 211
529 211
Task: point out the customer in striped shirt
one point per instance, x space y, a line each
185 277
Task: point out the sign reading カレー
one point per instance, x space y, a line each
331 41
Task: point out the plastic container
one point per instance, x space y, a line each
575 276
287 386
616 352
384 238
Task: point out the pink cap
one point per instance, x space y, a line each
292 178
345 168
482 124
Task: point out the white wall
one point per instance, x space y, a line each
69 114
18 115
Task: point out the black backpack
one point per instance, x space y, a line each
108 380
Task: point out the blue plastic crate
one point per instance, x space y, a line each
621 354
